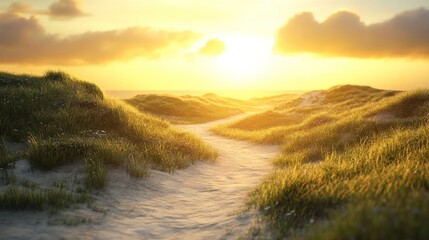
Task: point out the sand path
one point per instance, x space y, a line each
200 202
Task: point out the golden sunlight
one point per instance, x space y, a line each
245 57
149 119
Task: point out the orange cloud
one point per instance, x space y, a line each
65 9
19 7
59 10
213 47
344 34
24 40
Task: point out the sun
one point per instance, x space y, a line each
245 57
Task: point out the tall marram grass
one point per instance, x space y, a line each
346 171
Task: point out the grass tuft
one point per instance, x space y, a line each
137 166
5 159
57 76
15 198
95 173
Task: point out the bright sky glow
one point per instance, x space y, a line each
171 33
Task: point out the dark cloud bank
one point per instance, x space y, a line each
344 34
25 41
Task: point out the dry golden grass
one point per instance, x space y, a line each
357 157
188 109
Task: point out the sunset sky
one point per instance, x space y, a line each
222 44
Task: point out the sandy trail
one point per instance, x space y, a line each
200 202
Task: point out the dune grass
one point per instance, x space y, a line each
5 159
18 198
199 109
96 174
188 109
346 171
273 100
8 157
65 120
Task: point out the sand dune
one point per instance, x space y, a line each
200 202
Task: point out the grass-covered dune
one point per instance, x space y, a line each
198 109
354 164
273 100
305 112
65 120
188 109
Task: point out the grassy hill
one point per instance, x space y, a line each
354 164
198 109
64 120
188 109
273 100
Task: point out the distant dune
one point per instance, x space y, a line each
192 109
205 108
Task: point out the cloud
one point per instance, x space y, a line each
19 7
213 47
59 10
65 9
24 40
344 34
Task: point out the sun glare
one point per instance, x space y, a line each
244 58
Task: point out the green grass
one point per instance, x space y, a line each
339 162
16 198
5 159
96 174
188 109
68 118
136 166
67 121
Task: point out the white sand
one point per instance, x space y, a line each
200 202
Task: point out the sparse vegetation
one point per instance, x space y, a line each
8 158
5 159
344 161
136 166
16 198
96 176
65 120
